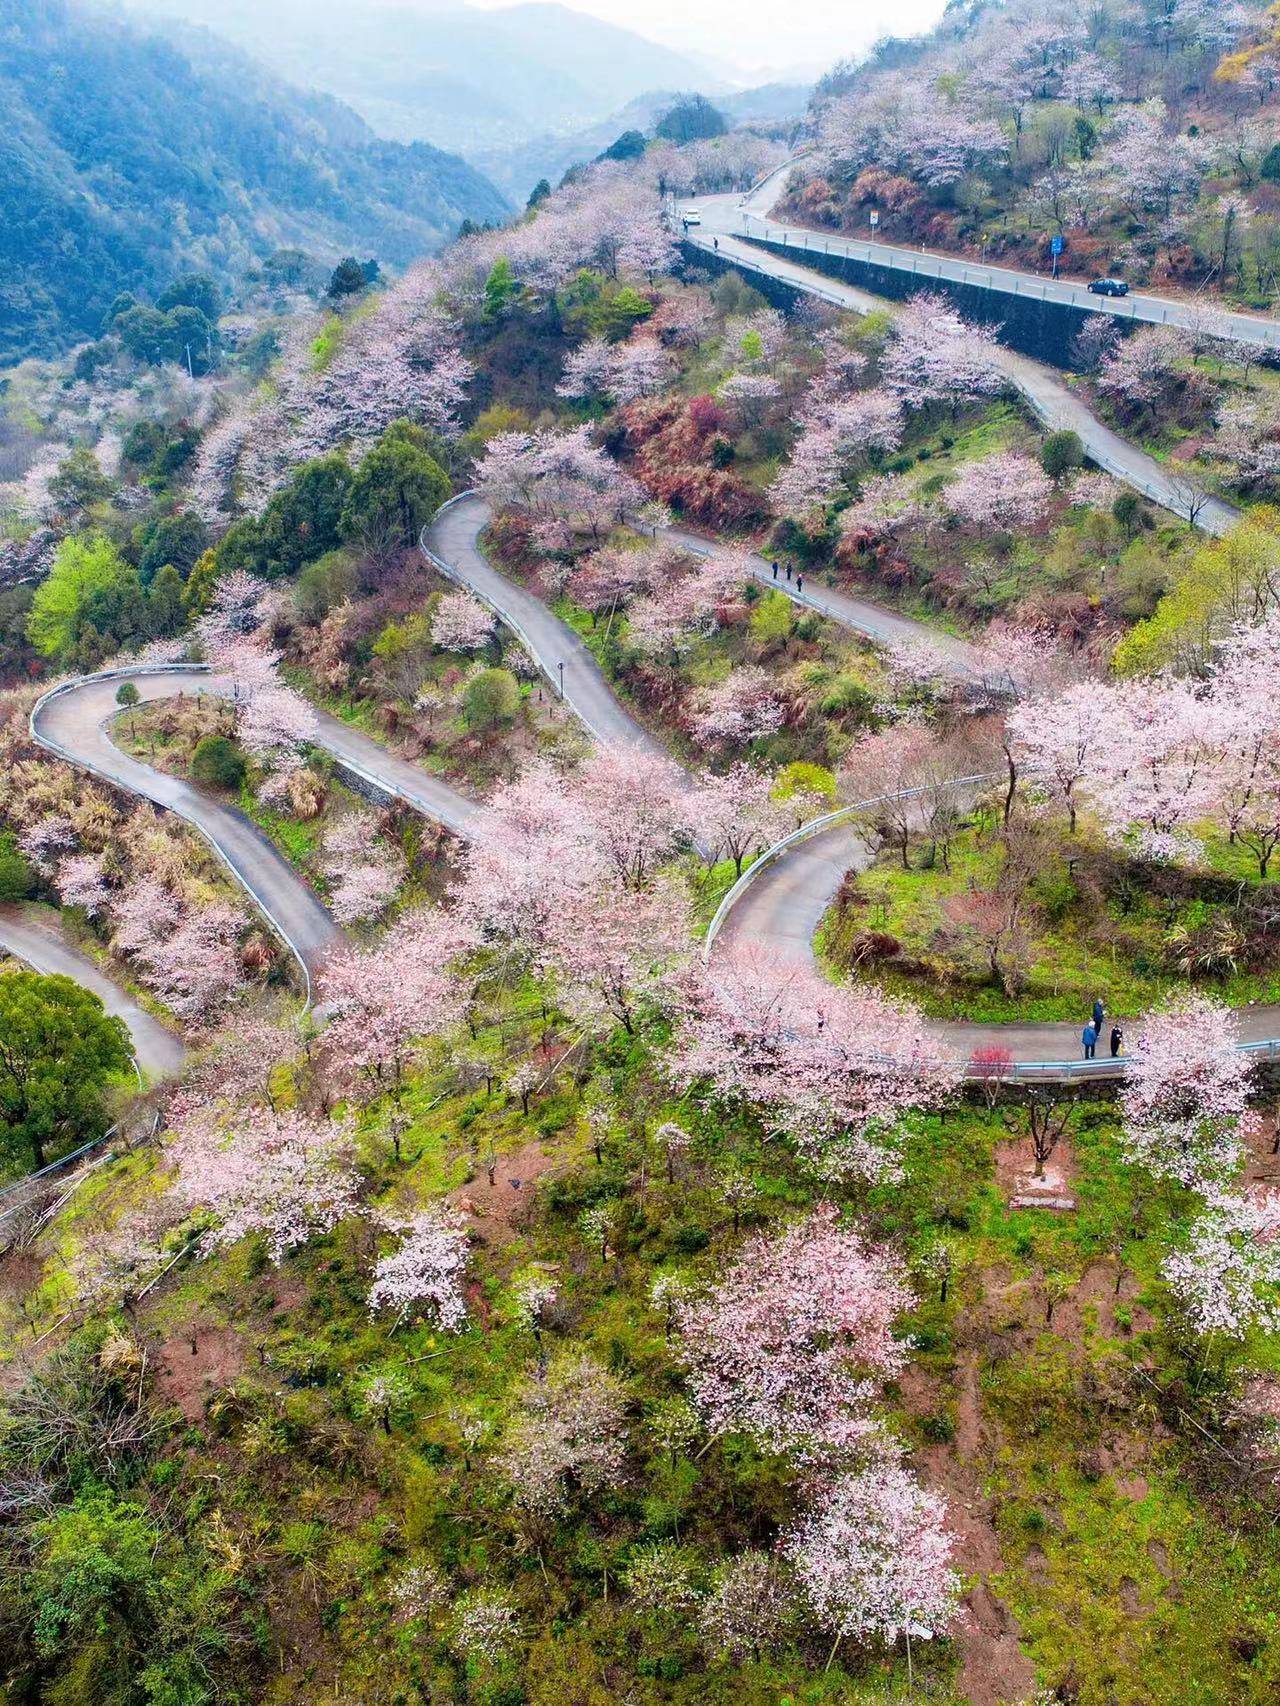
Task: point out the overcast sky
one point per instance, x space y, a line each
764 34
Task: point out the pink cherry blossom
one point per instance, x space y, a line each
744 707
1006 491
281 1175
424 1275
833 1067
936 356
1186 1093
874 1557
790 1346
460 623
81 882
1225 1277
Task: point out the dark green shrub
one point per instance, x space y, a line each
218 763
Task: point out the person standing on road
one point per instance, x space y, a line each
1117 1041
799 583
1089 1037
788 571
775 571
1099 1014
715 242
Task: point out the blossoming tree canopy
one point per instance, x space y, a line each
790 1346
835 1068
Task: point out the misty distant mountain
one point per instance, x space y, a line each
449 74
125 158
516 167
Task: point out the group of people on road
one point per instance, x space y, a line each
790 571
1092 1033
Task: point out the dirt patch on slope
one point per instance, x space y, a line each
195 1365
497 1210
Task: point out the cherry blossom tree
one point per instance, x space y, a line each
637 807
1186 1093
751 1607
837 434
530 852
1249 437
744 707
82 882
1053 738
484 1628
936 356
363 872
568 1441
690 607
460 623
835 1068
1150 167
738 815
873 1557
382 1002
639 368
616 948
610 578
1007 491
556 476
424 1276
278 1174
791 1345
188 955
1225 1277
887 506
1139 368
905 125
587 371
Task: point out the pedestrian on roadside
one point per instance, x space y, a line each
799 583
788 571
1099 1014
1117 1041
715 242
775 571
1089 1037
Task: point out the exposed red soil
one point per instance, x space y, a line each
188 1379
994 1669
497 1210
1019 1184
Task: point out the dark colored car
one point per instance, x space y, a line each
1108 287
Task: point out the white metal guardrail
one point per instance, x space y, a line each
1166 499
1006 281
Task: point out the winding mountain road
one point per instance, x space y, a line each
1047 393
780 902
34 936
1196 314
786 895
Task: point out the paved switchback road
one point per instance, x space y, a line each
1046 391
34 936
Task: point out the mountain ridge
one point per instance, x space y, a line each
129 156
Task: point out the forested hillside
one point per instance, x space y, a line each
1145 135
124 158
693 895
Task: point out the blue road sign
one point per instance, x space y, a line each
1056 245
